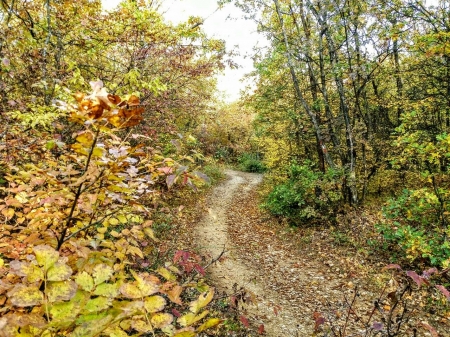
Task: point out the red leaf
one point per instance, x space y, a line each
244 321
233 301
444 291
177 256
200 269
276 309
429 272
392 266
319 320
433 332
176 313
378 326
416 278
261 330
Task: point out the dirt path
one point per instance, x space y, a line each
282 282
291 278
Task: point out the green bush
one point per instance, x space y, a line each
251 162
416 226
214 171
307 195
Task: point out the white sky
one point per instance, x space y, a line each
226 24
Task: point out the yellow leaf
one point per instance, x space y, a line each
122 218
85 281
102 230
141 325
151 234
59 272
107 290
190 333
97 152
161 319
8 213
154 303
166 274
115 234
102 273
61 291
203 301
135 251
191 318
46 256
212 322
85 138
23 296
113 221
174 294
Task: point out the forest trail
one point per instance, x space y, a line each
286 285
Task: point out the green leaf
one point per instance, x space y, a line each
46 256
102 273
154 303
161 319
64 313
59 272
97 304
61 291
92 325
23 296
85 281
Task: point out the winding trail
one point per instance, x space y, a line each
289 281
279 311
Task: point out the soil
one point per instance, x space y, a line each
292 279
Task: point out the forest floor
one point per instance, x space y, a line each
287 281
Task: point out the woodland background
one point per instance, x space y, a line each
350 111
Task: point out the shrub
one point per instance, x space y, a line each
251 162
416 226
306 195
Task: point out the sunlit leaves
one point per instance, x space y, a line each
89 189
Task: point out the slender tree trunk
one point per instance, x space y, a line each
334 60
299 93
398 79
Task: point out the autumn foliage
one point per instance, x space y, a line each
64 263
